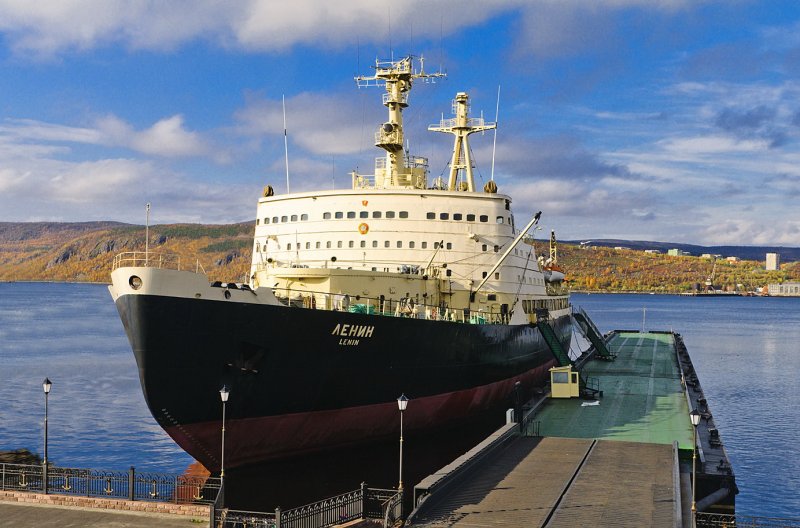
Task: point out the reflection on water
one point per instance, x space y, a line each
746 351
71 334
747 354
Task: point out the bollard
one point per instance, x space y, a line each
131 484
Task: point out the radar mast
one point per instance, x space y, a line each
461 126
397 168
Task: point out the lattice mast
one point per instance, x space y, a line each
397 76
461 126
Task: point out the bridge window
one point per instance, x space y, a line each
326 216
430 216
457 216
484 218
484 247
435 245
389 214
303 217
284 219
411 244
288 246
363 214
363 243
350 244
294 218
274 219
386 243
449 245
308 245
338 215
374 243
266 220
499 219
444 216
399 243
328 244
317 245
258 221
403 214
470 218
351 214
424 245
376 214
339 244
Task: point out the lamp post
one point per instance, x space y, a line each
402 403
46 386
695 417
223 394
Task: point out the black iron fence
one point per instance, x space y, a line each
363 503
129 485
721 520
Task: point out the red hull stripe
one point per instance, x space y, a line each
252 440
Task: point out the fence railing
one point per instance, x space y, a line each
722 520
363 503
129 485
154 260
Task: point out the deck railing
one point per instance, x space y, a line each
146 259
722 520
130 485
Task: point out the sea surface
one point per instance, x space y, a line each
746 352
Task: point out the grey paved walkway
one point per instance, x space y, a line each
31 515
563 482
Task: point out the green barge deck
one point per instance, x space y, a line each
623 458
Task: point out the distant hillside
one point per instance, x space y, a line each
597 268
84 252
788 254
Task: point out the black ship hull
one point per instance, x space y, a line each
305 380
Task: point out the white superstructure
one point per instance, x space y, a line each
394 242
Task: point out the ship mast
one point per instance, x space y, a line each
461 127
395 170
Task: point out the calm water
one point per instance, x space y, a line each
746 351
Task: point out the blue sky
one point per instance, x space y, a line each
671 120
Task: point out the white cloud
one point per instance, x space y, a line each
48 28
167 137
321 124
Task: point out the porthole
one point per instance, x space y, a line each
135 282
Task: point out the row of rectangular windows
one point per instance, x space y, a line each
363 244
338 215
460 216
530 306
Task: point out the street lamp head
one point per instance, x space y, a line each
402 402
223 393
46 384
695 417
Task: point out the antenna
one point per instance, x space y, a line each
285 143
496 116
146 232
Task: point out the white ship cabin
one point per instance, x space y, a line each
395 244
